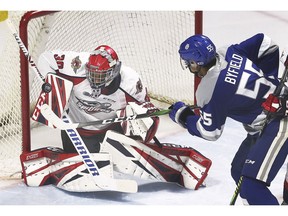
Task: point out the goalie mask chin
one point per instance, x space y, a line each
107 89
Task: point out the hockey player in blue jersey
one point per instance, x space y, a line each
235 82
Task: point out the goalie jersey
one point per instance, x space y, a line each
236 87
86 104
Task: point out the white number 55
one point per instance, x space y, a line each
207 118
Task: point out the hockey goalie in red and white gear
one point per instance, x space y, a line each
103 88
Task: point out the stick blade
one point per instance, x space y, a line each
126 185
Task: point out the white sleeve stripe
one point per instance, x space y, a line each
273 151
209 135
267 46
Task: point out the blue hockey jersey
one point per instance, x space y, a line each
243 77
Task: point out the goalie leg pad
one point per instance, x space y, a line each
169 163
67 171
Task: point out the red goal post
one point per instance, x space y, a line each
147 41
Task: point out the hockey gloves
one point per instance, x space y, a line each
179 113
145 128
275 106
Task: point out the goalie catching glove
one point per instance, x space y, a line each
145 128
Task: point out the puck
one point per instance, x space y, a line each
46 87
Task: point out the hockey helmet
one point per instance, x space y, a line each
197 48
102 67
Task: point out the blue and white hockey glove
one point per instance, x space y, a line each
179 113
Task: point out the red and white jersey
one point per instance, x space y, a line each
84 104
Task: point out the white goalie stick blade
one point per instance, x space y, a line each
55 120
122 185
119 185
126 185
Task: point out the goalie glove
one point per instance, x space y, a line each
275 106
145 128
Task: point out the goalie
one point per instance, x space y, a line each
103 88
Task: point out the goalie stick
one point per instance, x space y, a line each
276 93
102 181
60 124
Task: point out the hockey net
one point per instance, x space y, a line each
147 41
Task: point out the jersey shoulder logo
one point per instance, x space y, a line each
139 86
76 64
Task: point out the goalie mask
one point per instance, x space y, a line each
197 49
102 67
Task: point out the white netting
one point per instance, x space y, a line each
147 41
10 94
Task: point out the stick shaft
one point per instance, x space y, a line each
236 192
58 122
24 49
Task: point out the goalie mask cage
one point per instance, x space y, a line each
147 41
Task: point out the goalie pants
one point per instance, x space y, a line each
92 142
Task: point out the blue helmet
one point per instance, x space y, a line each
198 48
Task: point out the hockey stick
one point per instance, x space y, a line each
59 123
102 181
4 17
276 93
236 192
23 47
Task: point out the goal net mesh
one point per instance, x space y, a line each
147 41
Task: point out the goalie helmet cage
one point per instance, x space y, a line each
147 41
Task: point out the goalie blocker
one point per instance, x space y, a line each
169 163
